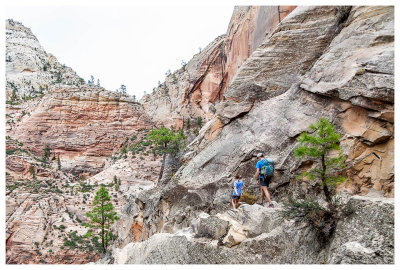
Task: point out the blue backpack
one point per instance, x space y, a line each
268 167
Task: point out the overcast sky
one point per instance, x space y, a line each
131 45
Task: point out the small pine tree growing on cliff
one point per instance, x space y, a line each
58 162
318 144
122 89
102 217
117 183
91 81
46 153
188 124
32 172
166 141
14 95
199 122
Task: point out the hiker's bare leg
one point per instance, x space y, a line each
262 195
267 194
233 204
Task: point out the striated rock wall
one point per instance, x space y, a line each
194 90
82 125
334 62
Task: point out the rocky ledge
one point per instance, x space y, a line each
254 234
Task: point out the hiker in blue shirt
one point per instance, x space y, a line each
263 180
238 185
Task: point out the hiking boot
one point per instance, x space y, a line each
260 204
271 206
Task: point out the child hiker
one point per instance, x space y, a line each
237 192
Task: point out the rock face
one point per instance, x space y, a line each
194 90
83 126
31 71
261 85
270 240
333 62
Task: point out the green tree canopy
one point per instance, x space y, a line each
319 143
102 216
166 141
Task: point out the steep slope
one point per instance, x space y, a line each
84 127
30 70
334 62
195 89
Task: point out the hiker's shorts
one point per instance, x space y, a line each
235 197
265 182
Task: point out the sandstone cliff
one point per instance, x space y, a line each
30 70
260 86
83 126
334 62
195 89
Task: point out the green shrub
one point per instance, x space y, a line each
310 211
10 151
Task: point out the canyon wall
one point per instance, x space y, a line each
84 127
259 87
334 62
195 89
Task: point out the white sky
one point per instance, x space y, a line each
131 45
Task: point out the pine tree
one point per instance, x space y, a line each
98 82
102 217
166 141
116 183
58 162
46 153
199 122
318 144
91 81
123 89
32 172
14 95
188 124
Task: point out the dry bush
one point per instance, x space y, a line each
249 198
